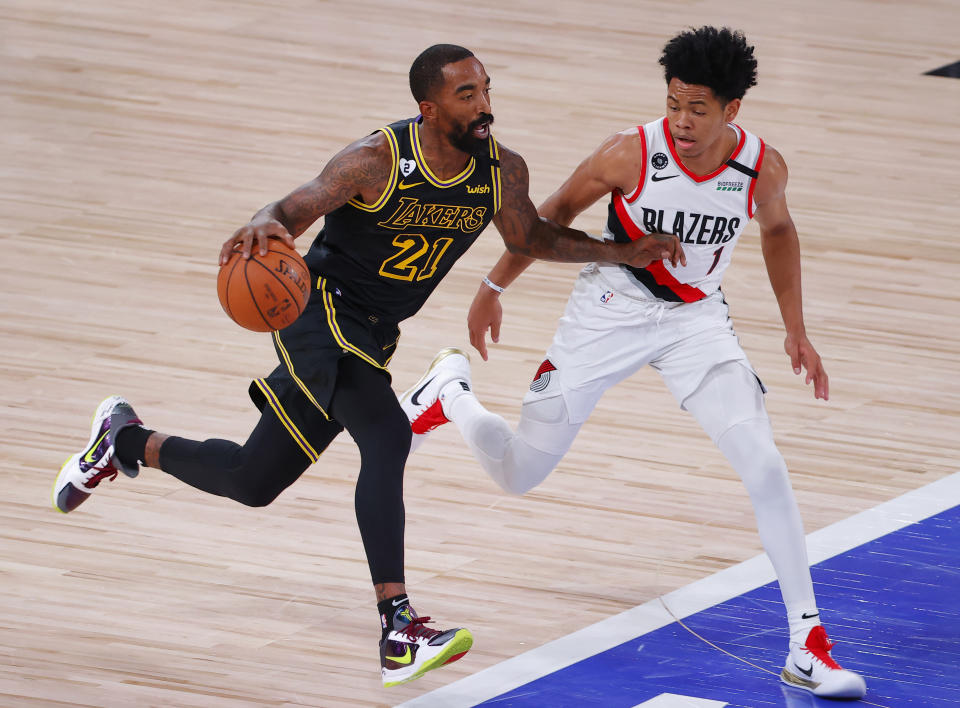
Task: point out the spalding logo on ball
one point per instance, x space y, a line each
264 293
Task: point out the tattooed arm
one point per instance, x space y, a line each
527 234
361 169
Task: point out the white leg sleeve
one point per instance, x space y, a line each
729 406
517 462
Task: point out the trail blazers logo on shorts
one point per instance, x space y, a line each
542 378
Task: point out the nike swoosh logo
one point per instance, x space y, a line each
658 178
87 458
408 657
806 616
404 185
414 398
399 602
805 672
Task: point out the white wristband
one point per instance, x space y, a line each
493 286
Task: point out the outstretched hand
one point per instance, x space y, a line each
259 233
485 313
804 357
655 247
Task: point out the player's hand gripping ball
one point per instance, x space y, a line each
264 293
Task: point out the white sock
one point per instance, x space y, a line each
802 620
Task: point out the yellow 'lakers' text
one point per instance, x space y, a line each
411 212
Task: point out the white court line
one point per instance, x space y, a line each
672 700
720 587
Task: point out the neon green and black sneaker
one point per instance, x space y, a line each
81 474
411 649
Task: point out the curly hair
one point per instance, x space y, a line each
426 72
719 59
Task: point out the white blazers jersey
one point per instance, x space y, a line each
707 213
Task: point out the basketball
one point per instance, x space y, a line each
264 293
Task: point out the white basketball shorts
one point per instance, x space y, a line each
607 334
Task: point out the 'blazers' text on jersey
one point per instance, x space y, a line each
387 257
706 212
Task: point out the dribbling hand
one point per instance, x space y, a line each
259 233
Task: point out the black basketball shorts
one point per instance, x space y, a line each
300 388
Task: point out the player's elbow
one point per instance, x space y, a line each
518 247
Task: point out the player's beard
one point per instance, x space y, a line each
463 138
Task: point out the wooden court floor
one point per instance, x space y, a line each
136 136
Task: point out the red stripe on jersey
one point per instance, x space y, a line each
635 194
685 292
688 173
633 231
753 182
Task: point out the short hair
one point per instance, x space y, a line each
719 59
426 72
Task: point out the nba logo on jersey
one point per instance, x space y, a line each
607 296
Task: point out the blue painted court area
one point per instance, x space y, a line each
892 605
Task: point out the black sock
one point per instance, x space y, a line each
131 444
387 609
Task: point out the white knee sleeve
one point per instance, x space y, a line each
729 394
516 462
750 448
729 406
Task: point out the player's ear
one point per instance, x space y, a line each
428 109
731 109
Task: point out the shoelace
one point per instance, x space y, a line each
819 645
108 473
416 629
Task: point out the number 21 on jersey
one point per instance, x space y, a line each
416 258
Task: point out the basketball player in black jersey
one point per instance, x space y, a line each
401 206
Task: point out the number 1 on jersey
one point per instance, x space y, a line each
716 259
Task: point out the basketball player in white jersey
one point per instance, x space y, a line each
698 175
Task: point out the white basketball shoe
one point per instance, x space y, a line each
447 377
811 667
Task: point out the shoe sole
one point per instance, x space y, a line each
56 483
794 681
441 355
452 651
94 431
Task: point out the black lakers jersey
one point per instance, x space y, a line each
387 257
